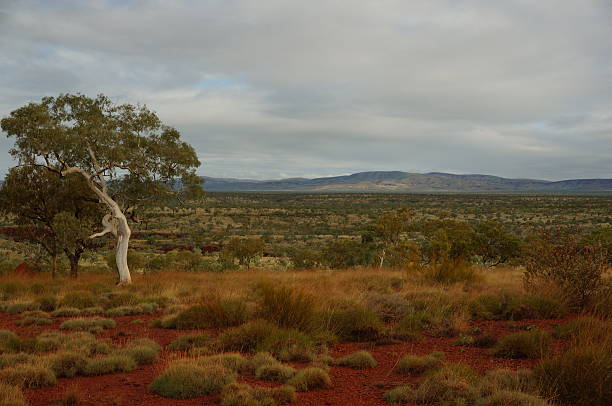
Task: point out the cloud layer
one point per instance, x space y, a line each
276 88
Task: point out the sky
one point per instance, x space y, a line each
268 89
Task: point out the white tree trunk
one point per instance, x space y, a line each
123 240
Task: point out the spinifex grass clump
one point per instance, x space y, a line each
415 365
511 398
79 300
188 379
109 364
237 394
35 317
189 341
214 313
286 307
11 395
310 378
357 360
510 306
528 344
28 376
356 324
93 325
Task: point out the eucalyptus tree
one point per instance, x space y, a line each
55 213
104 143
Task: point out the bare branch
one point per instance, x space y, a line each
109 227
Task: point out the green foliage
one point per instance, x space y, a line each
141 354
305 258
9 359
411 326
496 380
35 317
310 378
47 303
67 364
399 395
93 325
449 271
356 324
188 379
528 344
285 307
357 360
11 395
507 306
213 313
494 244
28 376
388 307
342 254
233 361
238 394
580 375
275 372
189 341
66 312
245 250
511 398
20 307
451 385
563 258
79 300
415 366
584 326
109 364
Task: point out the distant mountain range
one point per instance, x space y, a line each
395 181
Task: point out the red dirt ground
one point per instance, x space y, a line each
350 387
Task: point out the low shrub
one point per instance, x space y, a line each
508 306
528 344
91 311
511 398
506 380
93 325
585 326
452 271
356 324
11 395
20 307
262 358
275 372
484 341
410 327
237 394
285 307
141 354
310 378
109 364
9 360
85 343
189 341
188 379
415 366
357 360
79 299
451 385
211 314
387 307
66 312
35 317
580 375
246 338
28 376
147 342
232 361
132 310
399 395
28 345
47 303
67 364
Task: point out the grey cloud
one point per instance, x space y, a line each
516 88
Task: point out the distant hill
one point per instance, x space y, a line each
395 181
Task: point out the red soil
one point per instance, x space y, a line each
350 387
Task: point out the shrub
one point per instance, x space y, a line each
66 312
288 345
528 344
189 341
9 360
147 342
507 306
85 343
236 394
506 380
11 395
511 398
141 354
452 271
93 325
387 307
109 364
410 327
47 303
67 364
35 317
285 307
415 365
310 378
579 375
275 372
261 359
561 256
584 326
246 338
212 314
29 345
28 376
132 310
232 361
451 385
356 324
357 360
484 341
79 299
399 395
91 311
188 379
15 308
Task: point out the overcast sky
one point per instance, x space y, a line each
278 88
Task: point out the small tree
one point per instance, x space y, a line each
245 250
389 229
562 256
105 143
493 244
56 213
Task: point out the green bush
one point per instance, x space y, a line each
67 364
452 271
511 398
15 308
11 395
528 344
36 317
310 378
415 366
28 376
141 354
410 327
357 360
189 341
581 374
188 379
356 324
146 342
47 303
212 314
66 312
261 359
238 394
132 310
109 364
399 395
232 361
585 326
506 380
93 325
79 299
451 385
388 307
85 343
9 360
275 372
507 306
286 307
